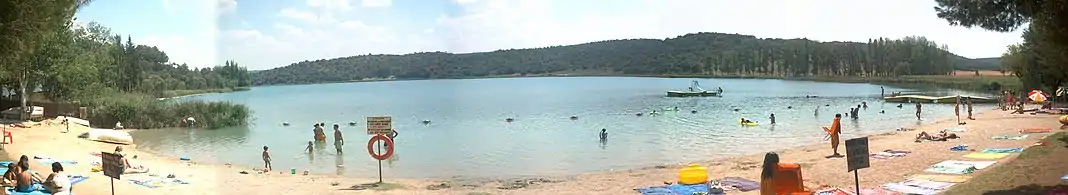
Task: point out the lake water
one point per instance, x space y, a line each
468 136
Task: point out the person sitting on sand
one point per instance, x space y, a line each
11 175
941 136
24 179
57 182
118 126
128 168
767 175
24 165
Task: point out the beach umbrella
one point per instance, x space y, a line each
1037 96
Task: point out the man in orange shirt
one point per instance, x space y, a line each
833 132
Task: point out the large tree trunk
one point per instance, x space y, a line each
23 81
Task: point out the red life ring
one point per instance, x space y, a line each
371 147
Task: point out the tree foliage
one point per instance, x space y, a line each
713 54
1042 59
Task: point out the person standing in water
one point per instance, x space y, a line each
969 102
817 111
956 110
919 108
882 92
604 134
338 141
772 118
833 132
309 148
865 104
266 159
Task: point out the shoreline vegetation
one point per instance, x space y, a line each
819 172
964 82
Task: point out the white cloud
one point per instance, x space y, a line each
333 5
223 7
376 3
487 25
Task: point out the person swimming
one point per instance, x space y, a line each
746 120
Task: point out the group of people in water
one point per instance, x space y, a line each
319 136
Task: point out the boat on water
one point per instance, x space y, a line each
936 100
695 90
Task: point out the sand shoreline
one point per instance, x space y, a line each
209 178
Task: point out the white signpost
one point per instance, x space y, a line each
379 125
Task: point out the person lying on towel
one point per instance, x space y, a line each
941 136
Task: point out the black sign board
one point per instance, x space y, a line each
112 164
857 153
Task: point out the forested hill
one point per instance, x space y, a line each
691 54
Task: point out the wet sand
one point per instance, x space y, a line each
818 171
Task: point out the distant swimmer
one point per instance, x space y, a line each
285 123
827 105
899 106
865 105
882 112
425 122
573 117
604 134
509 119
693 111
746 120
638 114
352 123
736 109
790 107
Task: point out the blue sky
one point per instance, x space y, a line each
264 34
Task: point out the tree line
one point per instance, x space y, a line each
1040 61
714 54
68 62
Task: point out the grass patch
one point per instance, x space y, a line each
145 112
1036 171
177 93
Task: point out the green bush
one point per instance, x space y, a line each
145 112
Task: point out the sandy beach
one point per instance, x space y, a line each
47 140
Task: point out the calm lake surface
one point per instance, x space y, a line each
468 136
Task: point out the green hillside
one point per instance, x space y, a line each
713 54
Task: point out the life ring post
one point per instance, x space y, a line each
381 140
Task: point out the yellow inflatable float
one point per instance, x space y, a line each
750 123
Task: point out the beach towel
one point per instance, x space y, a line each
49 161
981 155
877 191
942 178
834 191
887 155
1037 130
957 129
656 190
74 179
1009 137
928 184
976 164
739 183
1002 150
907 189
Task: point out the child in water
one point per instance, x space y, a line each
309 148
266 159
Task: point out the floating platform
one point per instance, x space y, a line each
692 93
936 100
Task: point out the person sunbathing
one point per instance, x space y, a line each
941 136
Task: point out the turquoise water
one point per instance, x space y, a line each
468 136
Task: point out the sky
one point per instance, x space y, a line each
265 34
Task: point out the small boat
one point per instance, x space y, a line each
931 99
695 90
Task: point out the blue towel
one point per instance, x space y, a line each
656 190
62 162
1003 150
674 189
